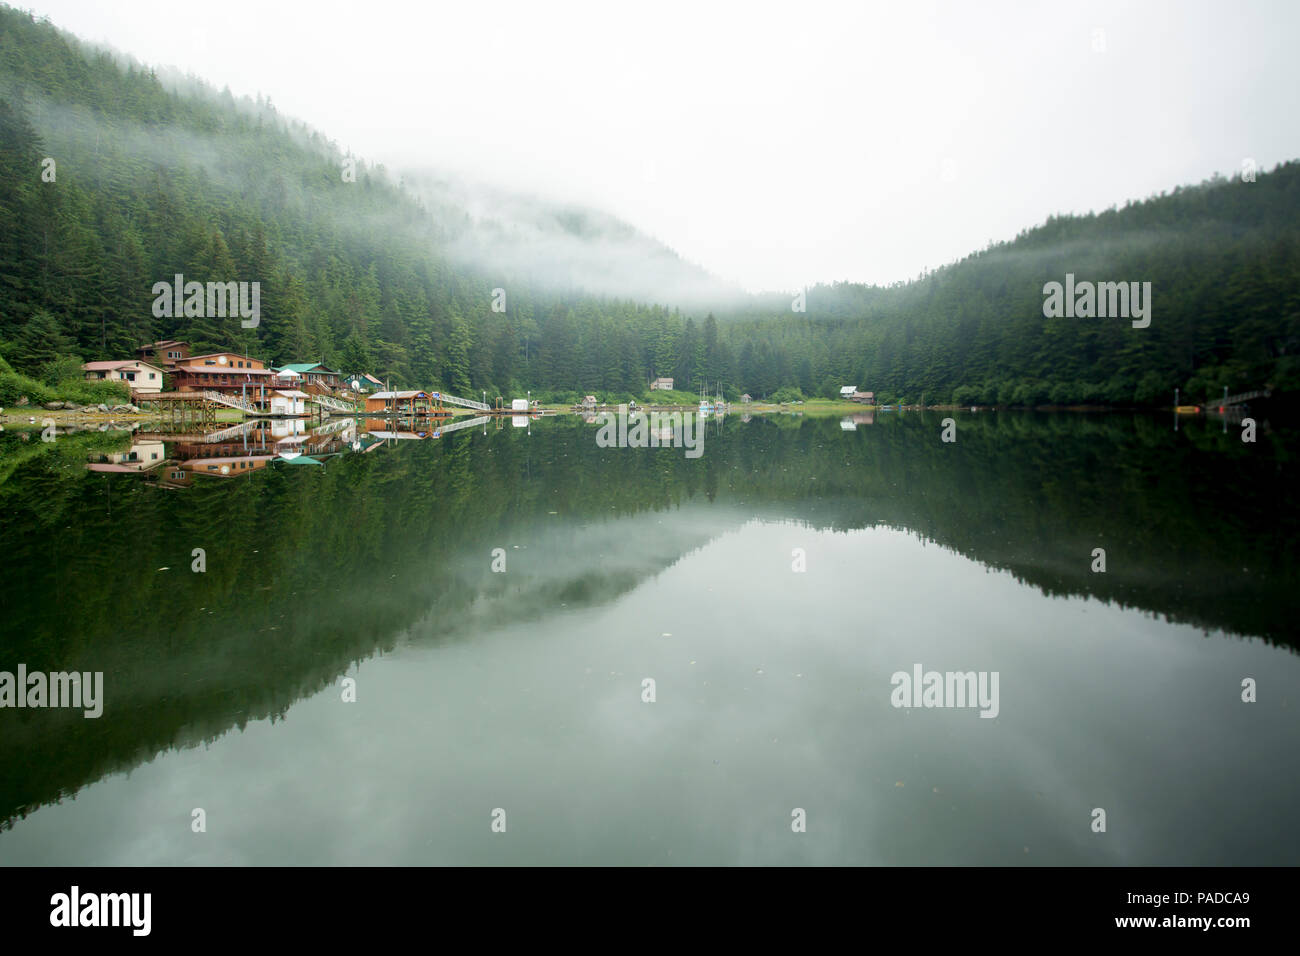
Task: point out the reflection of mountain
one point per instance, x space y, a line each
311 569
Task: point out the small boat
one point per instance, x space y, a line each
705 405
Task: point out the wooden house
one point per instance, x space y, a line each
413 402
227 372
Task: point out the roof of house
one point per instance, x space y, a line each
110 366
302 368
845 389
411 394
290 393
236 354
223 370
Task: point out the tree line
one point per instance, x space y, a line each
111 181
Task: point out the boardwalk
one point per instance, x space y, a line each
1244 397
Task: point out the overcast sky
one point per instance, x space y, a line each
775 145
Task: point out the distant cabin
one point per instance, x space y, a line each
141 377
846 391
866 398
362 383
747 397
589 401
661 385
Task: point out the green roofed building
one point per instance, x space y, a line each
312 373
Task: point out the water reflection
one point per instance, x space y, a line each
385 542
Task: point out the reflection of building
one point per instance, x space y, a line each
174 476
143 455
382 429
225 467
228 458
253 444
287 428
141 377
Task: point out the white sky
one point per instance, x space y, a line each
776 145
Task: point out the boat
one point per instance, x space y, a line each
705 405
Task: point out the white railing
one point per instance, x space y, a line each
233 401
464 402
333 427
457 426
336 404
234 431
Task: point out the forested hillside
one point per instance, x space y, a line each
367 273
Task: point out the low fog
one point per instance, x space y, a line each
774 146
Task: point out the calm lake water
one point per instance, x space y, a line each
770 588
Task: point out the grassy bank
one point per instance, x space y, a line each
64 386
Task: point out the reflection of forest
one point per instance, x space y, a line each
311 569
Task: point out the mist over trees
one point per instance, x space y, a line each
368 273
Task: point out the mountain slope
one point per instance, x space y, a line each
366 272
